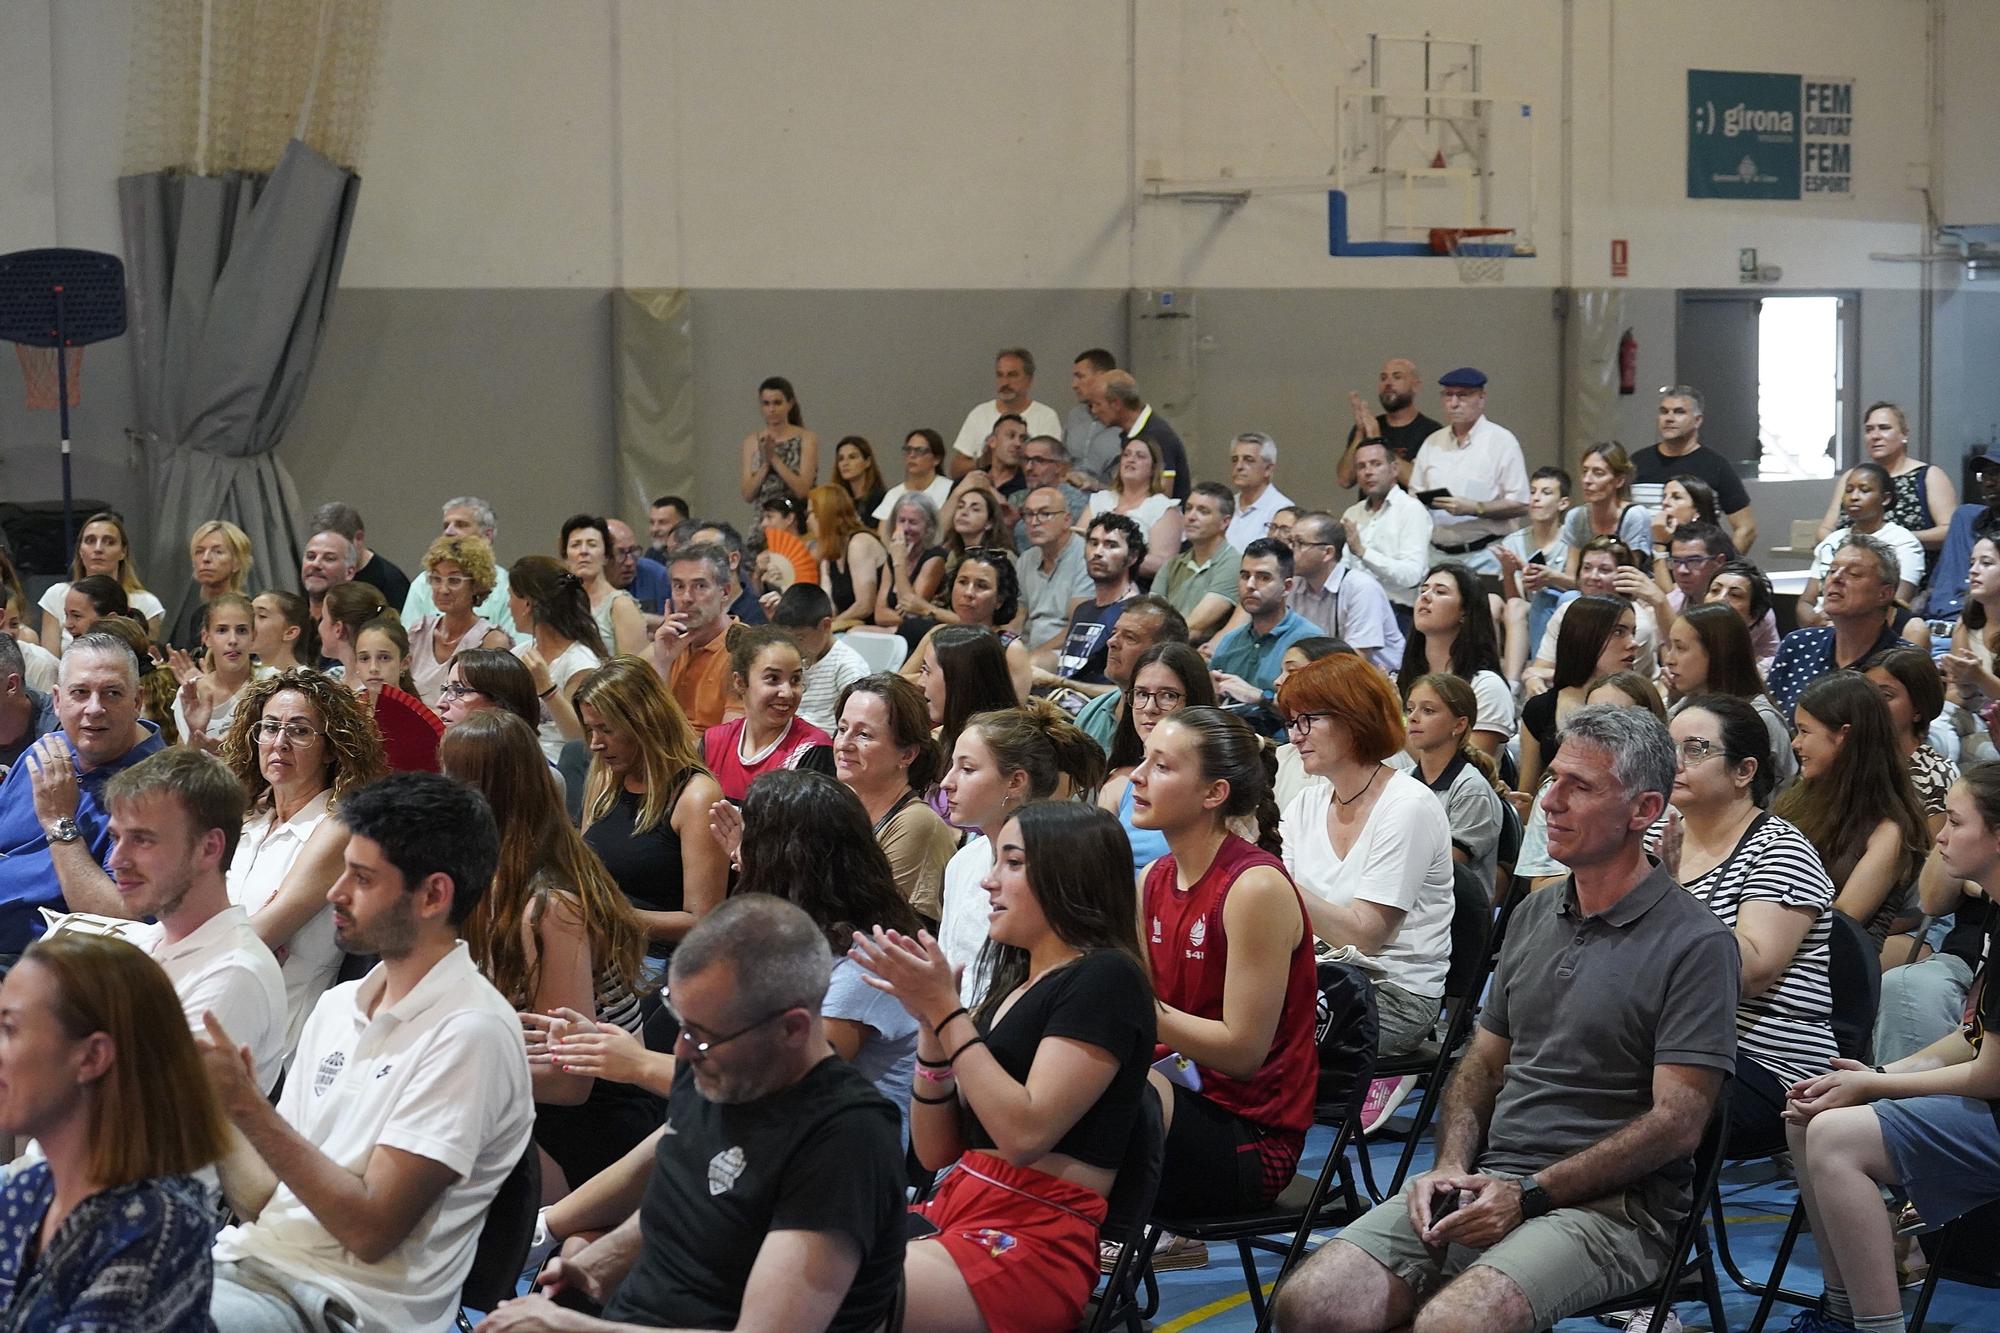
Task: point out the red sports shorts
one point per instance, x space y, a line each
1024 1241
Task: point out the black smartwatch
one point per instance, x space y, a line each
1535 1201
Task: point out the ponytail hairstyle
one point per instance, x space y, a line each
1619 463
1229 751
1744 736
390 626
909 724
107 597
1706 508
1023 739
352 605
1079 759
298 614
555 598
1080 871
1459 700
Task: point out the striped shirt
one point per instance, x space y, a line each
1789 1028
1932 775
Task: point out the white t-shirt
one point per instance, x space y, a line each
824 680
1496 703
263 858
141 601
963 916
1909 551
224 712
1146 515
1041 419
441 1074
568 662
223 968
39 667
937 492
1401 860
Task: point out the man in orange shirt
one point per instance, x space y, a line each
690 649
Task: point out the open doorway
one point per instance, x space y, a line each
1777 373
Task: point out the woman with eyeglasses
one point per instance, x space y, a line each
1764 879
923 461
1370 847
301 743
478 679
461 574
1167 678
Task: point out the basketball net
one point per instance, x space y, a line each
1472 249
38 367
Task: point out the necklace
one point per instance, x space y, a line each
1350 800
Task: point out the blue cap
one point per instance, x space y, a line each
1465 377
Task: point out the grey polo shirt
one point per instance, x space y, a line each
1045 598
1590 1005
1185 580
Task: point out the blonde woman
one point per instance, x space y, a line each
461 574
219 551
646 800
1140 493
101 548
210 691
1605 478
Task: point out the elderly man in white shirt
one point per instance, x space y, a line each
1479 467
1253 458
1387 532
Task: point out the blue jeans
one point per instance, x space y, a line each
1920 1003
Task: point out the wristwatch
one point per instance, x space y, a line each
1535 1201
64 829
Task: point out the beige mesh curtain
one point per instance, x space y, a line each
245 121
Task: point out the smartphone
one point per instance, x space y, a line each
1538 559
1445 1207
1430 498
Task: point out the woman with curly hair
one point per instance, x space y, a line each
985 594
553 931
646 800
300 744
461 574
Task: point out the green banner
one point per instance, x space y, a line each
1768 136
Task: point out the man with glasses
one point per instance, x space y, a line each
1050 569
691 649
1045 464
1253 461
776 1194
631 571
1147 621
1200 582
363 1191
1343 602
1855 597
54 830
1695 555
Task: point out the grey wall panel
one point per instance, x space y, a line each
422 395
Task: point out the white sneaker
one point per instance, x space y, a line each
1642 1322
541 1247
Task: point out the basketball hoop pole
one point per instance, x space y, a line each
62 406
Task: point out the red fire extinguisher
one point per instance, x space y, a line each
1628 363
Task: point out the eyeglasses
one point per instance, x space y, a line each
1045 513
701 1047
449 582
627 552
1690 561
294 733
1033 459
1695 750
454 690
1167 699
1300 723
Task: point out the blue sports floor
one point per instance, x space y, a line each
1757 1201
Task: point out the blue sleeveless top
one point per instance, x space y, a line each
1147 844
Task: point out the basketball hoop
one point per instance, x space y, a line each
1480 259
38 368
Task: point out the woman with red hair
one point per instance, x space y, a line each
851 557
1370 849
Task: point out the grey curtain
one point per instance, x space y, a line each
231 279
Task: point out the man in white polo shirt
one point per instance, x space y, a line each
175 819
408 1104
1478 467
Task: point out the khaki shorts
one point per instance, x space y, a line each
1565 1261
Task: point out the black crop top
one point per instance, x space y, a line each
1104 999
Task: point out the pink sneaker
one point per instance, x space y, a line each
1384 1096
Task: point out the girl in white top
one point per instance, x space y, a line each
1438 720
299 744
1370 848
564 645
587 550
206 704
1143 495
1452 631
461 575
1002 761
101 548
1867 493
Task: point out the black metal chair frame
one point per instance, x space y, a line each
504 1238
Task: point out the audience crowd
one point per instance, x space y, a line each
346 919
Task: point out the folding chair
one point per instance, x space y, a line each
1855 977
1125 1214
880 650
1347 1026
1691 1257
504 1238
1957 1256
